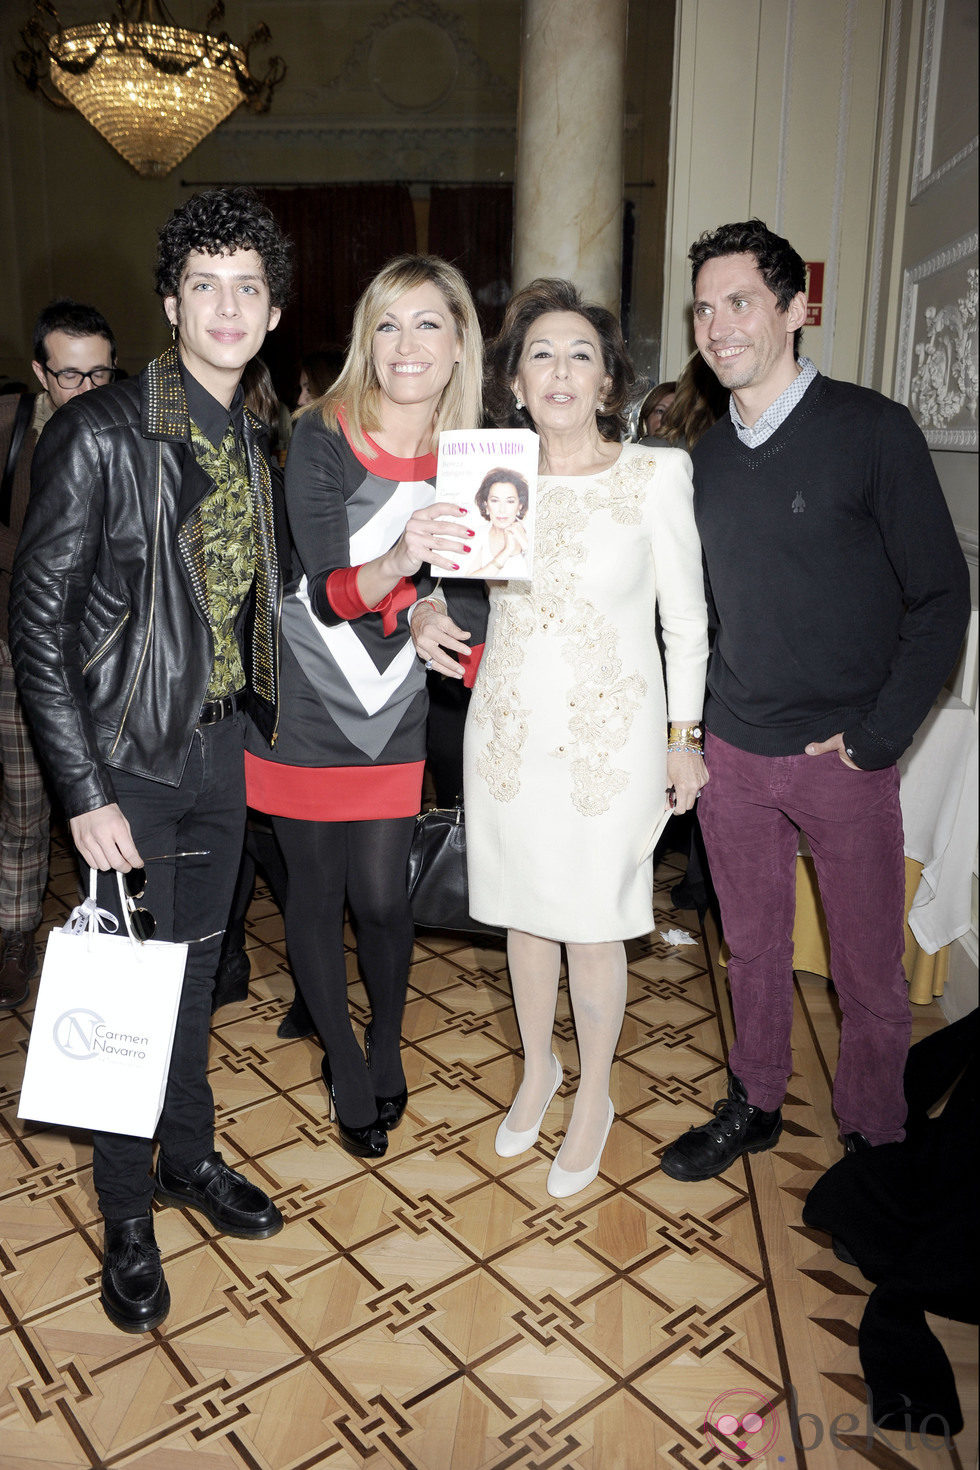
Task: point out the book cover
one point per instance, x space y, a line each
494 473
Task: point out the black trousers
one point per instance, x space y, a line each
190 899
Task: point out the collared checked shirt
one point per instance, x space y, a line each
777 412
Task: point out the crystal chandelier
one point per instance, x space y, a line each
152 89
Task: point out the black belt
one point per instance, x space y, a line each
213 710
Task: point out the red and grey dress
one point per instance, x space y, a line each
351 738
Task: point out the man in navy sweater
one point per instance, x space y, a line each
839 597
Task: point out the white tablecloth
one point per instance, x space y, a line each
939 810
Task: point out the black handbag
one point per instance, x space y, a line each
437 885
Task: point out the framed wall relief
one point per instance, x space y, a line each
946 121
938 347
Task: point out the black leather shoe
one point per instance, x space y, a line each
737 1128
390 1109
134 1290
230 1202
370 1142
297 1021
231 981
18 964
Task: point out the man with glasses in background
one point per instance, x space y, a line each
144 617
74 351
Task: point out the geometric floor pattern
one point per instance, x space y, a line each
437 1310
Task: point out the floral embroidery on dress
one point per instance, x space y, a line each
603 699
499 762
626 492
594 784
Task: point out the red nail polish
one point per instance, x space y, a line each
462 510
468 531
455 566
467 549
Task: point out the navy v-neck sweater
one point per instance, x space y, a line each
836 585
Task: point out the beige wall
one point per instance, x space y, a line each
775 113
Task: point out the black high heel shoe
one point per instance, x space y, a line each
390 1109
366 1143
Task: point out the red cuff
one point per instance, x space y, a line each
347 602
401 595
343 596
471 665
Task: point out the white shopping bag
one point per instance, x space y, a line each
103 1026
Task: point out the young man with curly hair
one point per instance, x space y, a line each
144 621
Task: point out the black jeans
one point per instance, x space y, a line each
190 899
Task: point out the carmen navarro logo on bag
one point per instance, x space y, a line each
82 1035
110 1002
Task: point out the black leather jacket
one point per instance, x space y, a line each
108 627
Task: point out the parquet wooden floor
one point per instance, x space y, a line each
437 1310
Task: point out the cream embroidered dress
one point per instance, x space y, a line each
565 748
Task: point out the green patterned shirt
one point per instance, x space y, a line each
228 547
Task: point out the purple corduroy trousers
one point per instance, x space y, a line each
752 811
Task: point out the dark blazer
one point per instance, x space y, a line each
108 624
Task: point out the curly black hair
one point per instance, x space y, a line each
544 295
218 222
781 266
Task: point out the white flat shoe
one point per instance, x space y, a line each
509 1144
561 1183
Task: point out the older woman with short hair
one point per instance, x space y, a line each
569 774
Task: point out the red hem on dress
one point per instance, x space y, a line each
333 794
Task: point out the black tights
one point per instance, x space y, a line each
366 862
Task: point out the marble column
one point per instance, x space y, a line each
569 192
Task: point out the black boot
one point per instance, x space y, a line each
736 1128
135 1295
231 981
297 1021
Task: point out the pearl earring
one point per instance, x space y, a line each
519 401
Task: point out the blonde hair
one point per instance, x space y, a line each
356 391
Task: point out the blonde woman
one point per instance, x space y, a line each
343 781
